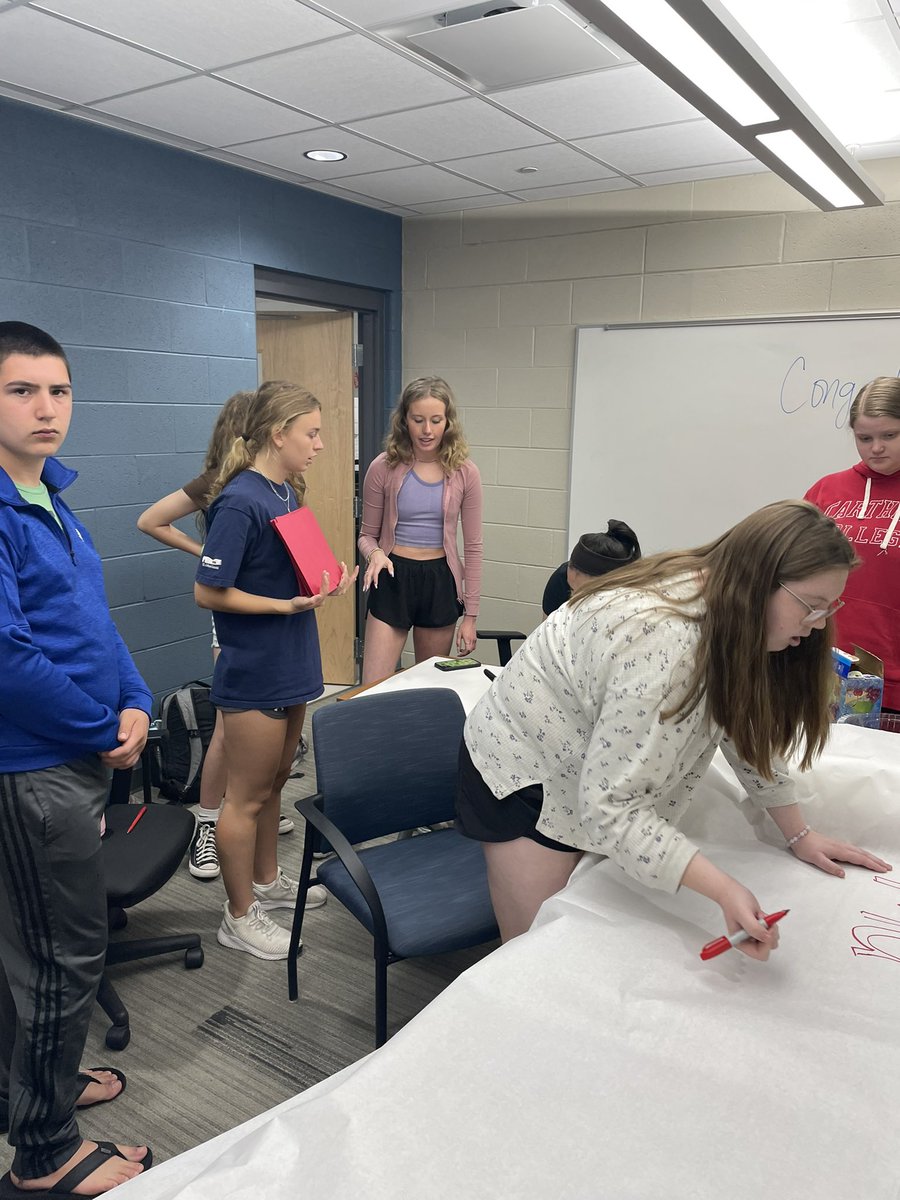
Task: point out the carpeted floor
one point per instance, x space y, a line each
212 1047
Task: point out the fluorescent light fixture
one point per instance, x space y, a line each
700 50
663 29
324 155
798 156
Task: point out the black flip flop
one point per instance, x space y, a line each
64 1189
88 1079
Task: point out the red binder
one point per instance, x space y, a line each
309 551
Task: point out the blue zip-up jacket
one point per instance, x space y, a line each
65 673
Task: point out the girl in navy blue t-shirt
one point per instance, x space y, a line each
269 665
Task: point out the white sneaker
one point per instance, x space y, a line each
282 893
285 825
255 932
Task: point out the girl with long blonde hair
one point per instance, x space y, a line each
158 521
269 666
415 496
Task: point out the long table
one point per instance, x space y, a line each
598 1057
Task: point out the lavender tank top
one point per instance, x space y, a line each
420 513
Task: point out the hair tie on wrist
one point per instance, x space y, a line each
797 836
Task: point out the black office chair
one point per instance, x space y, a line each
386 764
504 639
136 865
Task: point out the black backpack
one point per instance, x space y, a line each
187 717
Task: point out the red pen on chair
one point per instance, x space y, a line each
727 941
141 812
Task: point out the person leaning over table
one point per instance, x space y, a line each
597 733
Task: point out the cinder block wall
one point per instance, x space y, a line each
492 298
139 259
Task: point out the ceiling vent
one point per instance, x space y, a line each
509 49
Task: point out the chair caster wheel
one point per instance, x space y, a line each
118 1037
193 958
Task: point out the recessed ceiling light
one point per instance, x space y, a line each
324 155
527 170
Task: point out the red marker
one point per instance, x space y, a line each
141 812
721 944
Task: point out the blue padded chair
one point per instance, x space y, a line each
385 764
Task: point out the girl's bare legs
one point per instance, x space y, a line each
212 781
383 646
521 875
433 643
258 754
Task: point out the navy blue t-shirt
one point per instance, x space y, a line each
265 661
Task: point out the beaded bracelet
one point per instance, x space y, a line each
797 836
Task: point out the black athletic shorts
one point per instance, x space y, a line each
484 818
420 594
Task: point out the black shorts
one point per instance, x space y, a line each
484 818
421 593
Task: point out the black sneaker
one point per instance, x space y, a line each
203 862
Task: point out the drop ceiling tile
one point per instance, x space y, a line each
73 63
517 47
746 166
96 117
442 131
589 188
344 80
491 200
556 164
28 97
287 152
249 164
665 148
208 110
206 33
411 185
627 97
369 14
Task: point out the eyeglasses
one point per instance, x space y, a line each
814 614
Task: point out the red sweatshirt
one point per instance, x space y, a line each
866 507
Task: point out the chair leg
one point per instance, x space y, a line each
119 1033
130 951
381 967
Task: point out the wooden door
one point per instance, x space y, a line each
315 349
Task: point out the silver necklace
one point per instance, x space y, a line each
286 498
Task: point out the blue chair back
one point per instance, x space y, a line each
388 763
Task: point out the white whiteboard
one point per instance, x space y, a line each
682 430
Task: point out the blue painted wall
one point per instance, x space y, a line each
139 259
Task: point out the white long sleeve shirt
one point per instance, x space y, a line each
578 710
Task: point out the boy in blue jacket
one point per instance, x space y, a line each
72 706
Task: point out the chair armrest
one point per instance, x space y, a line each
309 808
504 639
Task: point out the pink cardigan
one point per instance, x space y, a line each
462 500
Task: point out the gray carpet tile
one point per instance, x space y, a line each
212 1047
